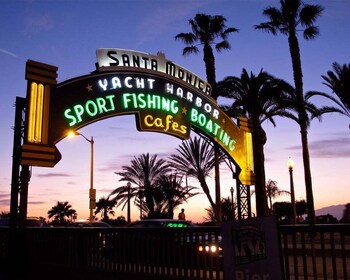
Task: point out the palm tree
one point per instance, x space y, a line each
144 172
338 81
61 211
259 98
196 159
172 193
272 191
105 206
208 30
294 16
227 210
124 195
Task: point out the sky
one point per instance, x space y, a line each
67 34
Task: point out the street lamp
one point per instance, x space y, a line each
290 164
233 207
92 191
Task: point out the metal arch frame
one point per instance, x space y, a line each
20 173
243 193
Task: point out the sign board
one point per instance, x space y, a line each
251 249
163 96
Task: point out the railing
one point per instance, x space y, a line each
318 252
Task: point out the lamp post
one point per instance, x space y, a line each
92 191
233 206
290 164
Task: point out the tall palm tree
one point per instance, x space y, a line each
124 195
196 158
61 211
272 191
208 30
105 207
173 193
144 171
292 17
260 98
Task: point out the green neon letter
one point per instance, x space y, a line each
127 98
79 111
93 107
67 114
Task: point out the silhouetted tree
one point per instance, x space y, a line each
61 212
346 214
259 98
209 30
105 207
283 210
144 172
172 194
292 17
227 210
196 158
338 81
272 191
123 196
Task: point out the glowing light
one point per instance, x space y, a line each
213 248
150 101
98 106
249 144
36 113
290 163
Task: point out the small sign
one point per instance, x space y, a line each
251 249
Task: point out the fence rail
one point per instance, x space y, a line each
316 252
308 252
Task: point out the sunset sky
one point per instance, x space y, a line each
68 33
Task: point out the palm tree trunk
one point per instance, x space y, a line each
209 61
206 191
308 180
298 80
217 185
259 139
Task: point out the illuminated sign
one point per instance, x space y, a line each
111 59
37 150
159 104
163 96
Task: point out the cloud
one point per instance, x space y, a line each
8 53
38 23
36 202
116 128
112 166
333 147
53 175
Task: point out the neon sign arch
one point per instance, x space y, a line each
163 96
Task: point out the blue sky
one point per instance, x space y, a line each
67 33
